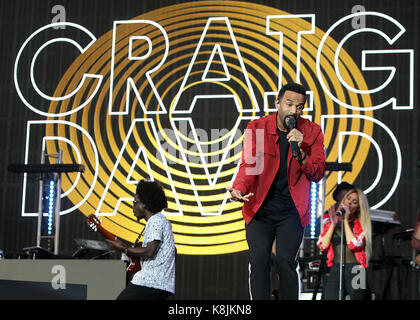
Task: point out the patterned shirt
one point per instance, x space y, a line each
158 272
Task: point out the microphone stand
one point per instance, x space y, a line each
340 293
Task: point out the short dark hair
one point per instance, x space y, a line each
342 186
152 195
295 87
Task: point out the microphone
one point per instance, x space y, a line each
291 124
341 212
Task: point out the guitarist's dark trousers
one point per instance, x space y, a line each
134 292
128 278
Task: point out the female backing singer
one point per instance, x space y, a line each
357 242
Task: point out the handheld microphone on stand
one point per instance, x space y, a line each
341 212
291 124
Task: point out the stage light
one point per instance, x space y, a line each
51 206
314 205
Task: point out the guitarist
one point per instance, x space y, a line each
156 279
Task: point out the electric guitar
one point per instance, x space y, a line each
95 223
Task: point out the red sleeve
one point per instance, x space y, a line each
248 169
359 241
314 166
415 243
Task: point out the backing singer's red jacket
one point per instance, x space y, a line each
357 244
261 142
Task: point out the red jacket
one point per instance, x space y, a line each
415 243
257 176
357 244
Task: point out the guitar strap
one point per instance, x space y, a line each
138 238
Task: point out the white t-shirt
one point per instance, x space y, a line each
158 272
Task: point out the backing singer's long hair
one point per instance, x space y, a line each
364 217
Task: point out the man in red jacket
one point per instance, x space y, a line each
275 189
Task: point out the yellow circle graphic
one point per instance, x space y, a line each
179 85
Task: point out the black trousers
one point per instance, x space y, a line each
286 228
350 285
134 292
